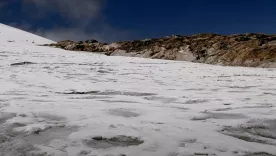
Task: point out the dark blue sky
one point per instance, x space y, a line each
111 20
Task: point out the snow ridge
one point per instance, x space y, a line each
14 35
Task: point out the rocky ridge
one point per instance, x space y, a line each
249 50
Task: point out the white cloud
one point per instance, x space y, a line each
84 17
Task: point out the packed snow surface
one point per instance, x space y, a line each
58 103
13 35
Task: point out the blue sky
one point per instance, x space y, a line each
114 20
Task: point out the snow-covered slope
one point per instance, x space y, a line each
13 35
83 104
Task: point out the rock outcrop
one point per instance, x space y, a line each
250 50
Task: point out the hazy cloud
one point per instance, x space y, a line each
81 20
106 34
4 3
22 25
71 9
84 16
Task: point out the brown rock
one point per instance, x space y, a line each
254 50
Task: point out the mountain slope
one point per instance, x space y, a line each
13 35
250 50
62 103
